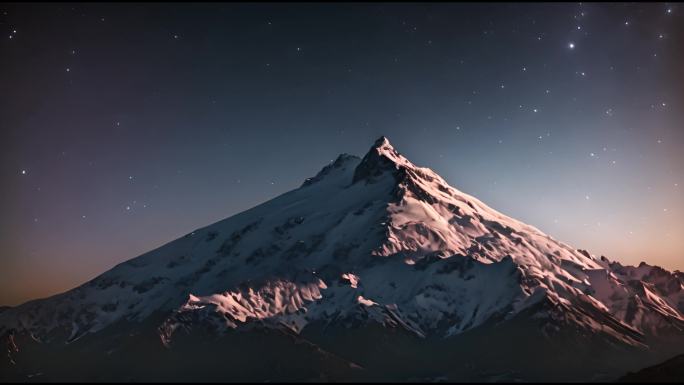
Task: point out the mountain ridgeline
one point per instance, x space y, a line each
374 269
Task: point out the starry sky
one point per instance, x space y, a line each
125 126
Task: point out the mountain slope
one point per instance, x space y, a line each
367 244
671 370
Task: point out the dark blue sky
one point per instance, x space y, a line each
125 126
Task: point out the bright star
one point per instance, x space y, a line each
571 45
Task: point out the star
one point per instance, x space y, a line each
669 10
23 172
571 45
68 70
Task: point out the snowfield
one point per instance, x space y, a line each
375 241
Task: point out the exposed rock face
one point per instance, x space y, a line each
369 250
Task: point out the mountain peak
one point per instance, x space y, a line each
383 146
380 158
342 161
400 249
382 142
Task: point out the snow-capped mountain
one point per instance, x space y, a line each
369 252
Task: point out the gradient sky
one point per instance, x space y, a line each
123 127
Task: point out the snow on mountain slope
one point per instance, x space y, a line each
646 297
376 240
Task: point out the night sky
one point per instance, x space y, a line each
123 127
